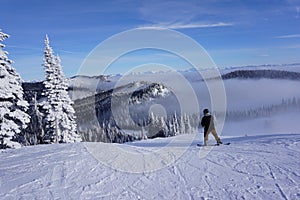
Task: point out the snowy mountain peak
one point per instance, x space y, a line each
149 92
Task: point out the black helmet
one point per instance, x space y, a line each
205 111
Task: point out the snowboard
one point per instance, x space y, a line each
201 145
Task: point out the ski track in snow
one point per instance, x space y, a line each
258 167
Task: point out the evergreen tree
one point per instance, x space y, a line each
175 124
152 126
34 133
13 116
163 126
188 127
182 125
59 113
170 128
143 134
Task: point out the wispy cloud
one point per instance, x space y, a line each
186 26
264 55
295 46
288 36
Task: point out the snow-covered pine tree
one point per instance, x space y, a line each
182 125
34 132
175 124
188 127
153 128
109 133
59 113
163 126
13 116
143 134
169 128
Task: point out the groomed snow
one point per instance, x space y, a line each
256 167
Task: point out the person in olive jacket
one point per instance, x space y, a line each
209 127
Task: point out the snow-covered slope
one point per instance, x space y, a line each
258 167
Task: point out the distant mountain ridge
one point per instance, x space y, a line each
101 101
265 66
259 74
37 87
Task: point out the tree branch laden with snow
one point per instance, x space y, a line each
13 107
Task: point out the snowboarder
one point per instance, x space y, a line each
209 127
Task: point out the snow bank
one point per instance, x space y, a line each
258 167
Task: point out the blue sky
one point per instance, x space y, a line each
234 33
